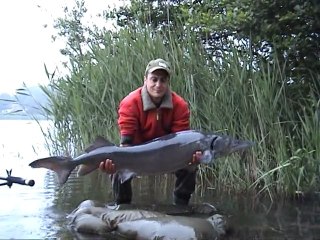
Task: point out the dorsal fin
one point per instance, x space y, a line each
99 142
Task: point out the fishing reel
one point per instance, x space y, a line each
10 180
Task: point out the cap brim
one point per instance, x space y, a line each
159 68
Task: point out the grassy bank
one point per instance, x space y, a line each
226 94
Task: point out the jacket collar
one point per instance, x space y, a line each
148 104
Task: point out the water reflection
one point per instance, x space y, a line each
40 212
258 218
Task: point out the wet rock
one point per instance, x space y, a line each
114 217
173 227
194 209
90 224
91 217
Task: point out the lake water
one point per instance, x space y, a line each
40 211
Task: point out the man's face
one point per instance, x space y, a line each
157 83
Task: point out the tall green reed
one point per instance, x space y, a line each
225 95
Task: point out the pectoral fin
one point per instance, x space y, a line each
207 157
125 175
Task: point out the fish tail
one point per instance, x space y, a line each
60 165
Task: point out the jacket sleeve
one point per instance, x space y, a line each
127 118
181 117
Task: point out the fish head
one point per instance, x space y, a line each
222 145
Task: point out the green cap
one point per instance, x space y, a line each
158 64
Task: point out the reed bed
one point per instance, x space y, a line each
226 95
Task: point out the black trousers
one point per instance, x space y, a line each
184 187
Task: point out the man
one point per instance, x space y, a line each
152 111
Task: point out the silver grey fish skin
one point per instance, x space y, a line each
161 155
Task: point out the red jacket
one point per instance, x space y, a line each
140 120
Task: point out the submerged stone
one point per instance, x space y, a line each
93 218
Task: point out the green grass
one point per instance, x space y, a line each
225 95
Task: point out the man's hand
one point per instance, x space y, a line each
107 166
196 158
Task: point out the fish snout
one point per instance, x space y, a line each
226 145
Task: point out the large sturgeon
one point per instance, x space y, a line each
162 155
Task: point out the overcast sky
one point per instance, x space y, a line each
25 42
